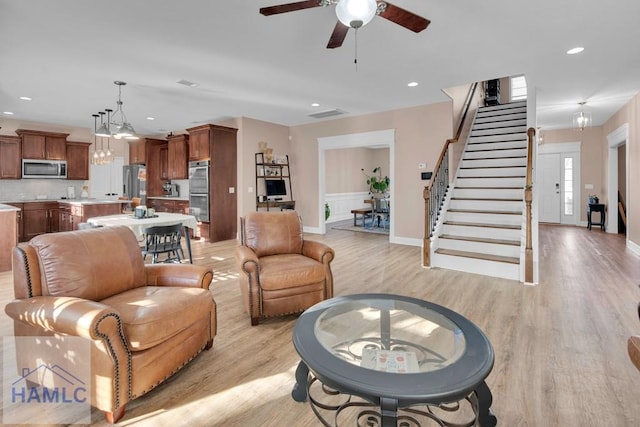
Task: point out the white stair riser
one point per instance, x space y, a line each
488 193
503 107
483 232
516 152
499 145
480 247
486 205
503 123
483 163
499 131
480 172
510 116
490 182
478 266
520 136
482 218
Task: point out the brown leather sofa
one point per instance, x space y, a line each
143 322
283 273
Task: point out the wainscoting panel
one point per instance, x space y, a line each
341 204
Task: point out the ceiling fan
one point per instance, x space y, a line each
354 14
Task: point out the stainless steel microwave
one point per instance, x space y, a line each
32 168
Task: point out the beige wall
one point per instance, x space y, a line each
343 168
420 133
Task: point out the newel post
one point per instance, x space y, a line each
528 197
426 243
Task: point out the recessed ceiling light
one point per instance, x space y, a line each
26 98
315 104
575 50
412 84
151 118
8 113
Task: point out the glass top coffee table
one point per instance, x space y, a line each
405 358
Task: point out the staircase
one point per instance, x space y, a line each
480 230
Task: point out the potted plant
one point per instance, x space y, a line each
593 199
378 185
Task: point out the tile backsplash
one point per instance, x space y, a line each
30 189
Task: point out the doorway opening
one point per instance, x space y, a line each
617 140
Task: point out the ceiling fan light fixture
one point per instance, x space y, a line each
356 13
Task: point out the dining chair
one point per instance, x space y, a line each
380 210
163 239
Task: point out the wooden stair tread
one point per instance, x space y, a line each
492 176
486 199
495 158
486 257
481 240
482 224
481 211
462 187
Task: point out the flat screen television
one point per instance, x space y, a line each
276 187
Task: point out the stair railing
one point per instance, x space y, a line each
528 197
435 192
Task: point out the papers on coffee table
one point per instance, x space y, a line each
402 362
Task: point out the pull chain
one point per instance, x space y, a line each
355 59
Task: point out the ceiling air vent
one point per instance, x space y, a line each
187 83
327 113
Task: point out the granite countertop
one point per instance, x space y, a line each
183 198
67 201
7 208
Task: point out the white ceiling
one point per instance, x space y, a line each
65 54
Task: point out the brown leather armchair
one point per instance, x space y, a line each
143 322
283 273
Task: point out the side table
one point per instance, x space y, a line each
596 207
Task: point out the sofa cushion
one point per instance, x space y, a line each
152 314
289 271
91 264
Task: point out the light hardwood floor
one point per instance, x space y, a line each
560 346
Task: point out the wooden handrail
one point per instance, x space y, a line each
440 181
528 197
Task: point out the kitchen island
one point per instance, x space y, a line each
8 234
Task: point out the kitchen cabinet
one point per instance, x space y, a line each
168 205
66 221
78 160
199 143
154 165
137 152
164 163
39 218
10 157
73 213
223 201
178 154
43 145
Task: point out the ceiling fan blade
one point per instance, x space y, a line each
338 35
290 7
403 17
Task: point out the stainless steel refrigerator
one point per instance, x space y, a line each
134 182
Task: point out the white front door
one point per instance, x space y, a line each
550 186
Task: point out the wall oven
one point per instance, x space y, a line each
44 168
199 190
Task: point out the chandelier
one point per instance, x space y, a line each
100 156
581 119
116 125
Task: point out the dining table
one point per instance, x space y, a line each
139 225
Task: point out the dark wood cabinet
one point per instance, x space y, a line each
168 205
164 163
137 152
39 218
223 202
66 221
199 143
43 145
10 157
78 160
178 156
154 149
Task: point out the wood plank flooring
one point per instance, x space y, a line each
560 346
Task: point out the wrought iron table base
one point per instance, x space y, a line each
387 413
